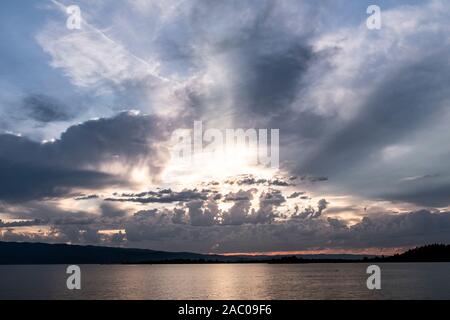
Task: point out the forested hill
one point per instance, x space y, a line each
428 253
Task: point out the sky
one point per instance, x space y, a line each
87 118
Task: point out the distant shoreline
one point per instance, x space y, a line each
15 253
293 261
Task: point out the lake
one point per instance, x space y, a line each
228 281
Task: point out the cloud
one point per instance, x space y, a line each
110 211
47 222
396 108
382 96
241 195
28 181
426 195
16 224
43 108
416 178
272 197
114 64
309 212
90 58
87 197
268 202
202 227
343 96
163 196
31 170
239 213
246 180
313 178
357 109
279 182
201 213
205 211
384 231
295 195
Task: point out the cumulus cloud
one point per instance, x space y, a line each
239 213
310 212
241 195
387 231
201 213
205 211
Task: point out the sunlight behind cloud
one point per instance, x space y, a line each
205 166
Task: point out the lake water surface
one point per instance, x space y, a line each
228 281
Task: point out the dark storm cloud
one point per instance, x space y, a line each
127 136
43 108
31 170
26 181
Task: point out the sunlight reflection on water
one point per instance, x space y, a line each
228 281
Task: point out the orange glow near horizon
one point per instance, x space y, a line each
366 251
